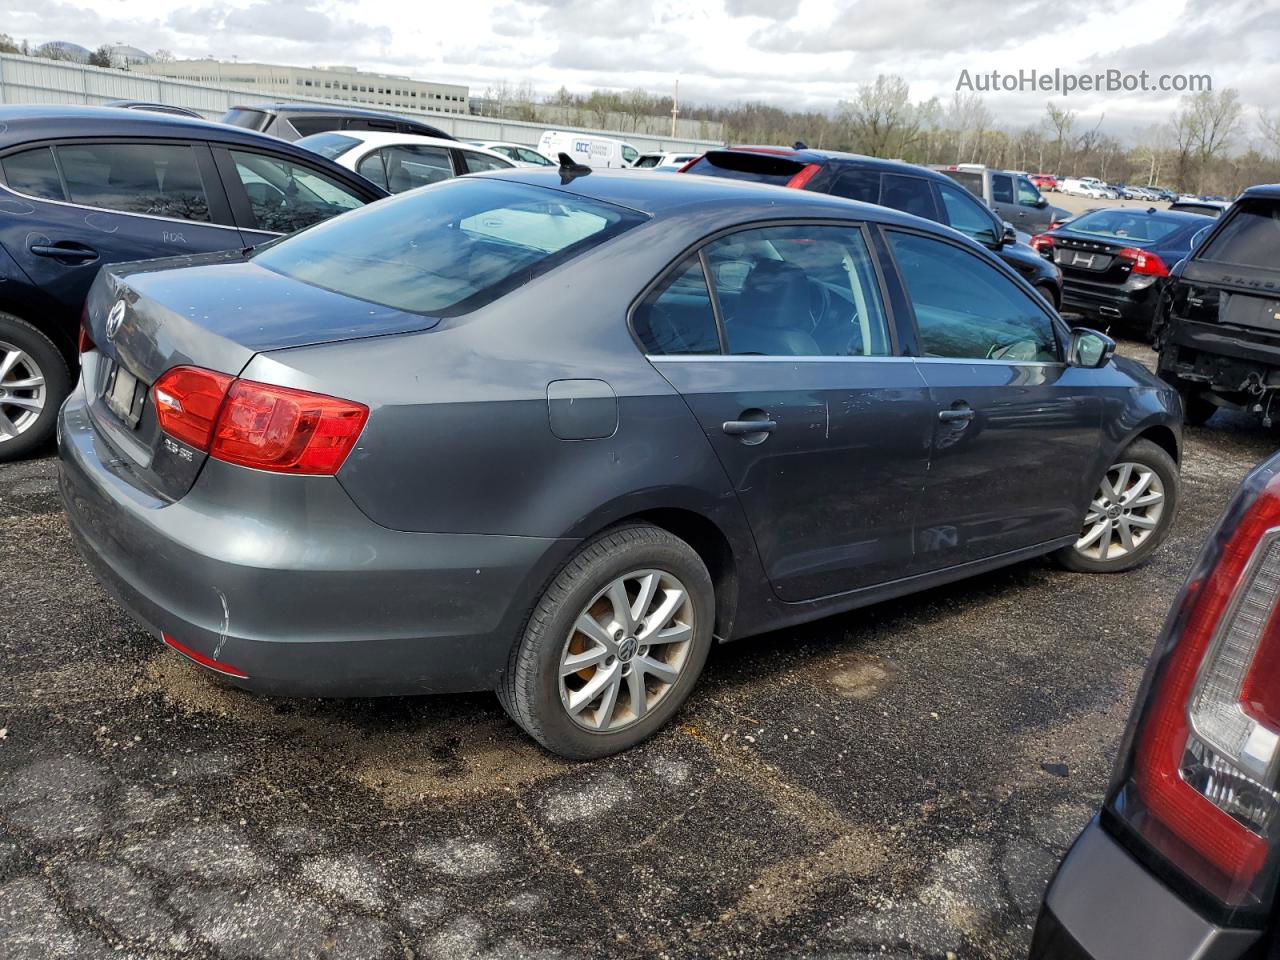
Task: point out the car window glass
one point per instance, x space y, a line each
366 123
413 165
1251 238
909 194
307 126
530 156
1131 224
677 317
649 160
857 184
967 179
328 145
373 168
478 162
966 309
967 215
629 154
1001 188
154 179
33 172
1028 195
286 196
798 291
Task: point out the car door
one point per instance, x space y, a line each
787 360
1032 212
1002 198
271 194
1016 429
85 203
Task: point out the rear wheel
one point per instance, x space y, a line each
34 380
1130 513
614 646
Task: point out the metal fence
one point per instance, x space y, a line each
33 80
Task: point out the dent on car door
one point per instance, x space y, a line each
777 337
1016 429
82 204
270 195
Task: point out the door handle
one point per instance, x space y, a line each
742 428
71 252
960 415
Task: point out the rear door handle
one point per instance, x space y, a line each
69 252
960 415
741 428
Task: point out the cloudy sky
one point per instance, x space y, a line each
806 53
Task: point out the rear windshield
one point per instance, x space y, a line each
760 167
1129 225
240 117
970 181
447 249
649 160
1204 209
331 145
1249 238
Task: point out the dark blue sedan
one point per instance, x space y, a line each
81 187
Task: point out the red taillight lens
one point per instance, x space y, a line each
804 176
1144 262
290 431
187 401
1042 242
1204 785
86 342
691 163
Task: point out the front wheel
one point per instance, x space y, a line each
34 380
614 646
1130 514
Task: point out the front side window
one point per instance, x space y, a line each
478 162
1001 188
531 156
34 173
1028 195
629 154
449 250
286 196
147 178
1250 238
798 291
965 214
677 317
966 309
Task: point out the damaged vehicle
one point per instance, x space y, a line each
1218 333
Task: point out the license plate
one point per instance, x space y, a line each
122 396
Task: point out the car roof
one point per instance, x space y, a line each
1262 191
808 155
386 138
325 108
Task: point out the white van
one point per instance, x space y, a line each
1085 187
588 148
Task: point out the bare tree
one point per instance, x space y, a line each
880 118
1063 123
1206 124
1269 127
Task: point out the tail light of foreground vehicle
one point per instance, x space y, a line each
257 424
1197 796
1144 262
1042 243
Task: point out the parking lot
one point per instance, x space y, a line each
896 782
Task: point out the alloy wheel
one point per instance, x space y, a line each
1124 514
626 650
22 391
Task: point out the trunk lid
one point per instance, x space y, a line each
215 311
1090 258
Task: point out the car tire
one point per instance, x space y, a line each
1124 502
33 371
592 712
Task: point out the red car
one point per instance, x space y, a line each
1045 181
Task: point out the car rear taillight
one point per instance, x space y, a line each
804 176
289 431
1043 243
686 166
86 342
1144 262
257 424
1201 787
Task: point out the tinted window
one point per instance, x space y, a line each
158 180
405 167
1129 224
366 123
908 194
798 291
1001 188
1028 195
251 119
308 126
855 184
330 145
970 181
677 317
286 196
449 250
478 162
1250 237
530 156
965 308
761 167
964 213
33 172
648 160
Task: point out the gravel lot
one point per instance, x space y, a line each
897 782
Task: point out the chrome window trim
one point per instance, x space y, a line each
121 213
819 358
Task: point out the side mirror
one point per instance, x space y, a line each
1089 348
1041 203
1009 236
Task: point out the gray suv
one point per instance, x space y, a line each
1011 195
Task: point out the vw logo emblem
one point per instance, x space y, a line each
627 649
115 318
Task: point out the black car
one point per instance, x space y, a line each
81 187
1218 333
1207 208
293 121
1181 863
889 183
1114 261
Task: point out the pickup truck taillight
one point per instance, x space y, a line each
1199 792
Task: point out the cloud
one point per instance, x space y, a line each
770 9
295 21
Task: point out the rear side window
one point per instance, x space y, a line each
1002 188
478 162
449 250
1249 238
677 317
154 179
966 309
648 160
910 195
964 213
286 196
761 167
309 126
529 156
405 167
857 184
329 145
34 173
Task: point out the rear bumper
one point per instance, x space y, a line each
285 580
1104 905
1219 356
1109 303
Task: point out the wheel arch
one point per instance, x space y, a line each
1163 436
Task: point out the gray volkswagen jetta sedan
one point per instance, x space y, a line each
553 434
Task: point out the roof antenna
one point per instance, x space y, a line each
800 145
570 168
